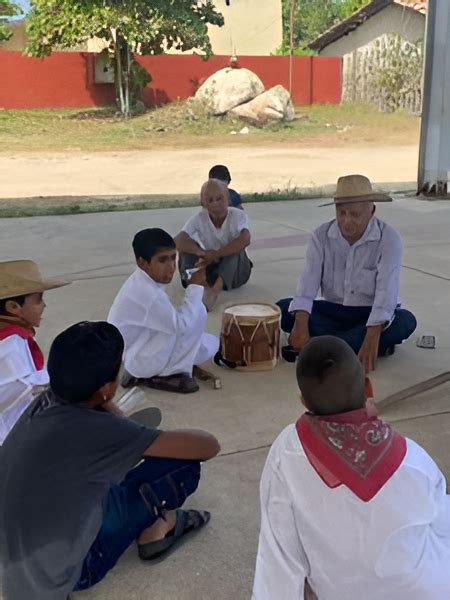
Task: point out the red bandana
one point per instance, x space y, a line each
6 330
355 449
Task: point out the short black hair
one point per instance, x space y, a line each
148 242
19 299
220 172
330 376
83 358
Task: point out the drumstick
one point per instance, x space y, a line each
190 272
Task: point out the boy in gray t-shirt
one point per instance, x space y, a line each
73 499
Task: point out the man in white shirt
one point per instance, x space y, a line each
348 505
216 238
355 260
162 343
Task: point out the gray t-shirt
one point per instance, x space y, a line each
56 467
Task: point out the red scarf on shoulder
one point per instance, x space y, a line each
10 326
355 449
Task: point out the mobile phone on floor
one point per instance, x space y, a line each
426 341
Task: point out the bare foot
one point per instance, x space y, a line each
159 529
210 298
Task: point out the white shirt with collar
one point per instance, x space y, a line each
366 273
161 339
202 230
394 547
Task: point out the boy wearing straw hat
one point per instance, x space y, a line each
21 360
355 260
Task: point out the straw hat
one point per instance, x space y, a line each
22 277
356 188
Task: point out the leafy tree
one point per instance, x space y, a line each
7 9
128 27
313 17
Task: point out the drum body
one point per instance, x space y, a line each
250 336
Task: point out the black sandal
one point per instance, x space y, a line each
188 521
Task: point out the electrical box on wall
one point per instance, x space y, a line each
104 68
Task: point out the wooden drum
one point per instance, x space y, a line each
250 336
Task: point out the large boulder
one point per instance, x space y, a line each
273 105
228 88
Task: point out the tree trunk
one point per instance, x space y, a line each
122 79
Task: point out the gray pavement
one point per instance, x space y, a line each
251 409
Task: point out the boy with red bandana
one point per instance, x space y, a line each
350 508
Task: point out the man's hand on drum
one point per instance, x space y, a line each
368 353
299 336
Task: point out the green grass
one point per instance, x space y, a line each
178 124
40 207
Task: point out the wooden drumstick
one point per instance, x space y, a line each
204 375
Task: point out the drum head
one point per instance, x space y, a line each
259 311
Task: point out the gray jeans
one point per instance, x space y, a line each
235 270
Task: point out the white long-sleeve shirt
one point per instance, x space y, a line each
366 273
396 546
18 376
160 339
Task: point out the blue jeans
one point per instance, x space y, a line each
157 484
349 323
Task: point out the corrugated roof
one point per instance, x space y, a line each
358 18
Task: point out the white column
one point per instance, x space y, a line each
434 158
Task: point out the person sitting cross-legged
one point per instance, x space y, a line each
81 483
349 507
163 343
216 238
355 260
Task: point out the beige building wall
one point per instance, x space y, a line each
19 39
252 27
393 19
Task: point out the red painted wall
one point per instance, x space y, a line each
63 80
66 79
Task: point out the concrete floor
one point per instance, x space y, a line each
251 409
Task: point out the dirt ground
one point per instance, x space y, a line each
254 168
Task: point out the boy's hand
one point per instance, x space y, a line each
199 277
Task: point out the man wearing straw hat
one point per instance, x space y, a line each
21 360
355 260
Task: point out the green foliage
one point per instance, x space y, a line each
143 26
7 10
313 17
155 26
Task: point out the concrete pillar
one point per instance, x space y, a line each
434 158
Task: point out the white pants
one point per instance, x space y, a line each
186 354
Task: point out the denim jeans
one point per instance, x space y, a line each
154 486
349 323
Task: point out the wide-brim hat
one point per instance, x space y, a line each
356 188
22 277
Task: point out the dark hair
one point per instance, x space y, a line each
19 299
220 172
148 242
330 376
83 358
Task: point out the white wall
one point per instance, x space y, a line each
393 19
